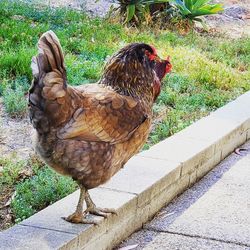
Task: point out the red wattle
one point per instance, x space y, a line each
156 87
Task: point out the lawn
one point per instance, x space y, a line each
208 72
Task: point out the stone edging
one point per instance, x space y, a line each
149 181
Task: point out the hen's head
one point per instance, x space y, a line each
136 70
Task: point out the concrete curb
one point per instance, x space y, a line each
148 182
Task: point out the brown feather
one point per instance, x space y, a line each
89 132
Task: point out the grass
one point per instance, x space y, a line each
36 186
208 72
38 192
14 102
10 173
13 96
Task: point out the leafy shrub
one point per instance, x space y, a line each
137 10
192 9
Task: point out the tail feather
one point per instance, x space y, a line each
50 56
48 93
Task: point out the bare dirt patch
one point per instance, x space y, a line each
15 136
234 22
92 7
6 217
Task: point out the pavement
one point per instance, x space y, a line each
213 214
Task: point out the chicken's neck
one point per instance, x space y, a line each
138 92
137 85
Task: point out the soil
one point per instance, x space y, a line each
15 139
6 218
234 22
92 7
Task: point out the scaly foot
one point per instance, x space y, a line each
79 218
100 211
92 209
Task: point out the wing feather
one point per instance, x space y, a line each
104 116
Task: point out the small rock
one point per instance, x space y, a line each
18 17
235 11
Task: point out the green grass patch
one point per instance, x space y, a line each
14 102
186 102
41 190
9 174
35 188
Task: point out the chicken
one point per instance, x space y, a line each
89 132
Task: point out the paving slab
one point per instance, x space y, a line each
152 177
178 148
148 239
218 125
169 241
218 208
237 110
23 237
224 211
213 214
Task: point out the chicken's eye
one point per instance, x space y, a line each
150 56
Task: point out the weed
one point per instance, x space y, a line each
39 191
36 192
11 169
17 62
14 101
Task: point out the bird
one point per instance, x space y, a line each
89 132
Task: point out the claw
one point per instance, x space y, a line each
101 211
79 219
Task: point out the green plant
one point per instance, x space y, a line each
9 174
14 101
137 10
39 191
192 9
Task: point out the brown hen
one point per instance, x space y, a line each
89 132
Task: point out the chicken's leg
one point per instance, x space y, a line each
79 216
92 209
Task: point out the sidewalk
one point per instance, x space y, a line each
213 214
